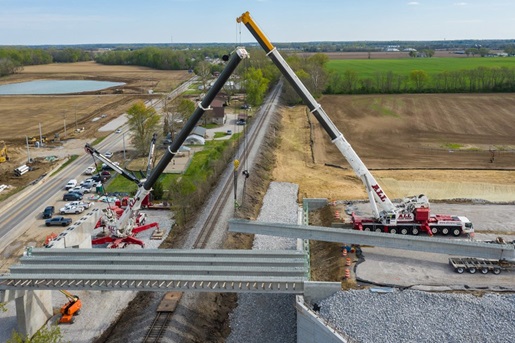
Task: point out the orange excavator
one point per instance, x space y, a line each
71 308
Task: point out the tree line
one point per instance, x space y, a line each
159 58
480 79
13 59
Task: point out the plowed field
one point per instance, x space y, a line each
447 146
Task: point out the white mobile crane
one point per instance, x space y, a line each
411 216
123 229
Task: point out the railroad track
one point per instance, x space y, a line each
158 327
162 319
242 155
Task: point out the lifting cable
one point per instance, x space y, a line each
236 162
102 188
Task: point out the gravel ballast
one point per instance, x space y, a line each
269 317
416 316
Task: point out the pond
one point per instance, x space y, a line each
56 87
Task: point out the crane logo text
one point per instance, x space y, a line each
379 192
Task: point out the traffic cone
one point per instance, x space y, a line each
344 252
347 261
347 273
337 215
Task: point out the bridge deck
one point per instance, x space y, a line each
159 270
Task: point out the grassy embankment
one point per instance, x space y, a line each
198 170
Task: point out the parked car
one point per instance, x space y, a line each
48 212
85 204
118 131
245 107
71 210
88 182
71 196
108 154
72 183
90 170
58 221
97 178
240 122
105 174
228 132
77 190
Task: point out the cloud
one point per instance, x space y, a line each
460 4
413 3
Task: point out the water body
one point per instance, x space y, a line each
55 87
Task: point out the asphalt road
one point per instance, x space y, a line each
21 211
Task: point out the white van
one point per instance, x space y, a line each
72 183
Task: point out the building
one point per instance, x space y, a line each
217 113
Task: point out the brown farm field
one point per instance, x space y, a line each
437 144
24 113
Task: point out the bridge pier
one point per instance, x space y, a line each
34 308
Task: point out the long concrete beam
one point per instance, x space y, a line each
448 246
159 270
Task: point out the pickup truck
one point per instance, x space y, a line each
84 204
71 210
58 221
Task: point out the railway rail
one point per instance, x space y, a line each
242 156
162 319
158 327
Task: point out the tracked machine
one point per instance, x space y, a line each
412 215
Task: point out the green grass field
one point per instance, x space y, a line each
434 65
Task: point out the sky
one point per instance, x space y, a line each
43 22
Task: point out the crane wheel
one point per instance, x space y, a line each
484 270
472 270
460 270
497 271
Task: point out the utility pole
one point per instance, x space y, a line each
40 136
64 119
28 150
76 127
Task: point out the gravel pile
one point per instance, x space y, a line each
263 318
415 316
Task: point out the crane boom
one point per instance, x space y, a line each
375 193
123 226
